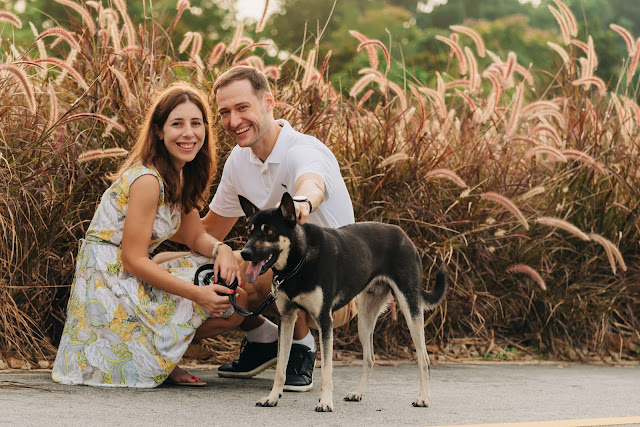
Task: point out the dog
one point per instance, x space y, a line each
319 270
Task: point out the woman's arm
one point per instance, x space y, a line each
193 234
138 226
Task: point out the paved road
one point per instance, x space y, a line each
461 394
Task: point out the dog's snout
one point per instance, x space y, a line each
246 254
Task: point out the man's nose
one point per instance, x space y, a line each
234 119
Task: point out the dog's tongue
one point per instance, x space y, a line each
253 271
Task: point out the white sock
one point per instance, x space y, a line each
267 332
309 341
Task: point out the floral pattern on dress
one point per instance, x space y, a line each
120 331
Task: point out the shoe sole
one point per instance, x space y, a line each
249 374
298 388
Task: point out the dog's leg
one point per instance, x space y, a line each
369 306
325 332
416 328
284 347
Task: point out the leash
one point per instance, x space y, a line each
203 277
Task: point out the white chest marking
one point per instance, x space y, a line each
311 301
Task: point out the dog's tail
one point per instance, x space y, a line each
435 296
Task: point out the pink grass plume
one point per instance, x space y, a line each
613 253
446 173
525 269
10 18
477 40
563 225
82 116
508 204
102 154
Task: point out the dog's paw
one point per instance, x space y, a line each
421 403
267 402
324 407
353 397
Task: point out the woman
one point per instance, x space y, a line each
129 319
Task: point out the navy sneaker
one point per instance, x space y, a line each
300 368
254 358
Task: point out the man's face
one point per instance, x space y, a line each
244 115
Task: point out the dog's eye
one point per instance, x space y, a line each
269 232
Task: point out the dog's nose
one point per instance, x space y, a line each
246 254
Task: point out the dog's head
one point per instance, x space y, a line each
270 233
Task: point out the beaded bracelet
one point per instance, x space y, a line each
215 249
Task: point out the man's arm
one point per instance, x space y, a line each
312 186
218 226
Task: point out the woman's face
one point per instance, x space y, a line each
183 133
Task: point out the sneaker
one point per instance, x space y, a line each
254 358
300 368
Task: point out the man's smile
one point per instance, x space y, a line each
242 130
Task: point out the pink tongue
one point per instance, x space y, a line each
253 271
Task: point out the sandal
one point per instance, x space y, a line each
196 382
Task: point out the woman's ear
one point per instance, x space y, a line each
158 132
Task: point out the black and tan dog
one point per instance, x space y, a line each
321 269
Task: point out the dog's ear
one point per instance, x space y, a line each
287 208
249 208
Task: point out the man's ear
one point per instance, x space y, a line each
287 208
248 208
269 101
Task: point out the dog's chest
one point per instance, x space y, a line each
310 301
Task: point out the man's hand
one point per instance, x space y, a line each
312 187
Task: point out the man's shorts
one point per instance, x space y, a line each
341 316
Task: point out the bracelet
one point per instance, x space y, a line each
215 249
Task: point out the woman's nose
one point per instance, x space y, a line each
188 130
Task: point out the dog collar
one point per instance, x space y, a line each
277 280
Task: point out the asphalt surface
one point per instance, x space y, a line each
559 394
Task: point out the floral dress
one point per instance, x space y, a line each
120 331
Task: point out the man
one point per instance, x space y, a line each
269 159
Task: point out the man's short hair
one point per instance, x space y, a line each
256 77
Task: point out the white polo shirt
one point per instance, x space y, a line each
264 183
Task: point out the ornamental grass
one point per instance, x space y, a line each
529 194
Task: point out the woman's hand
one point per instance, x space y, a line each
215 305
226 266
